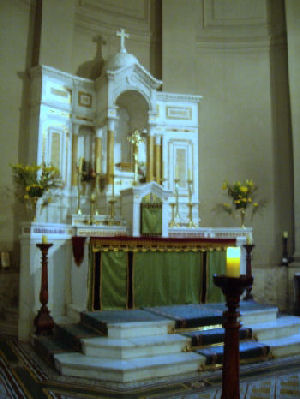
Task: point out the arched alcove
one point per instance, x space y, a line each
132 115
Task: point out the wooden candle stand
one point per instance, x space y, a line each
249 248
232 288
43 321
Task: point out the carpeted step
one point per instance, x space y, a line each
130 370
126 323
71 334
282 327
248 350
283 347
149 346
48 346
192 315
214 336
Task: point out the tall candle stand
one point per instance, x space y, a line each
43 321
249 248
232 288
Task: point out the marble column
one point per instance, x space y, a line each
110 151
98 150
74 155
158 176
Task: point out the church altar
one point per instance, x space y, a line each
128 159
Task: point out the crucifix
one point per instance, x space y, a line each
122 34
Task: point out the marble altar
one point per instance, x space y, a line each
86 128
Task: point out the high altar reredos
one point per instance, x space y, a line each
128 157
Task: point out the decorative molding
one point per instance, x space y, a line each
165 96
245 26
217 13
183 113
106 17
84 99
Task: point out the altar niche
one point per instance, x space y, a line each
132 113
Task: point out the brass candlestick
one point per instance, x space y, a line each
172 222
92 208
190 222
97 191
176 217
190 203
79 212
112 209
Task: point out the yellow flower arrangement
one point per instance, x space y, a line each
32 180
242 195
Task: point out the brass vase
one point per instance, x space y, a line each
30 205
242 217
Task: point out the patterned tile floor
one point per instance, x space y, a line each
279 387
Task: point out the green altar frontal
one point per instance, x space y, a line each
129 273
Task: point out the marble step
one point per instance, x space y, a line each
284 326
248 350
127 323
149 346
259 315
48 346
72 334
213 336
130 370
283 347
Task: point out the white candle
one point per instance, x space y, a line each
285 234
44 239
233 262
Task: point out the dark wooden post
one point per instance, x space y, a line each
232 288
43 321
249 248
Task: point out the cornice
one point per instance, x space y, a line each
166 96
37 71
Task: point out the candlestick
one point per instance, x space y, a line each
43 321
249 248
232 289
172 222
233 262
177 217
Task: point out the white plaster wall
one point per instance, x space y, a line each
227 57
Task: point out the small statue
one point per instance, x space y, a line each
135 139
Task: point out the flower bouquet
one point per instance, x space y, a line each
33 180
242 195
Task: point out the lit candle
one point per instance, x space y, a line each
44 239
249 239
233 262
285 234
